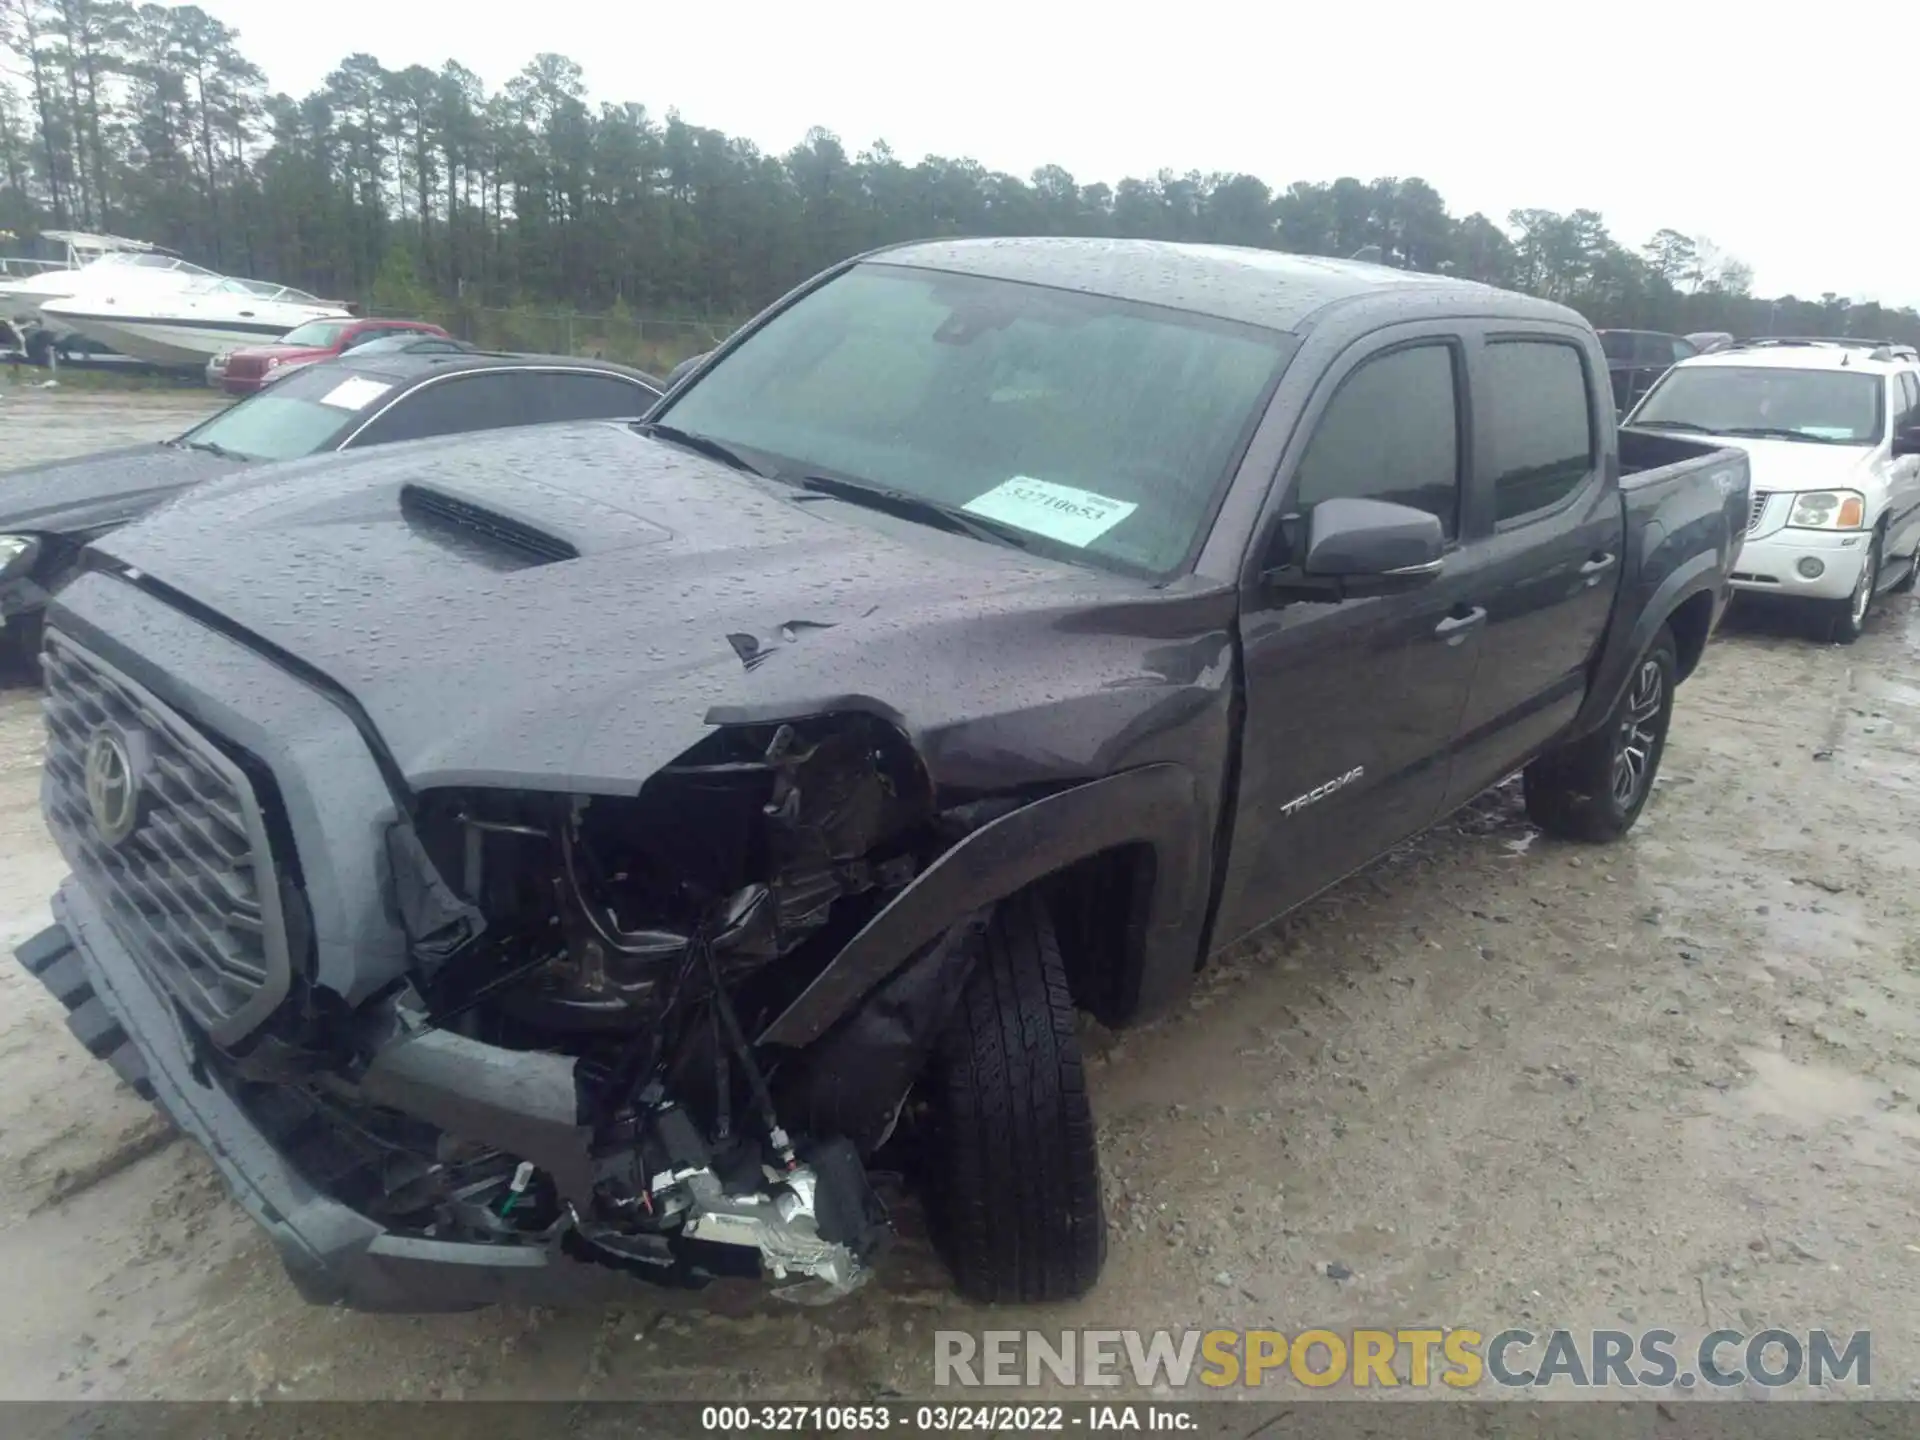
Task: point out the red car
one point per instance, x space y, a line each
251 369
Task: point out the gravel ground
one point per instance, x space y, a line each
1492 1080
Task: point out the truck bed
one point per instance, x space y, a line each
1684 505
1644 452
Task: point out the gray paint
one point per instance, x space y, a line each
97 492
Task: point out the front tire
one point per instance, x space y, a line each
20 646
1595 788
1847 619
1016 1195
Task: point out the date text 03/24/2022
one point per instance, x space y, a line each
922 1419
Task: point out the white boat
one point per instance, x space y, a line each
45 266
181 326
22 300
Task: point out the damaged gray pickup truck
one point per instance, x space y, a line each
533 860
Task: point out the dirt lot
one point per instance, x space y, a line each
1498 1079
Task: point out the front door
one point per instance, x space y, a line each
1352 705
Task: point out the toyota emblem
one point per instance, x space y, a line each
113 789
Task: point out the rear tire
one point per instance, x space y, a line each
1595 788
1015 1195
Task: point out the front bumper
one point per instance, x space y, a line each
334 1254
1770 566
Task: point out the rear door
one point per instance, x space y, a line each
1551 513
1903 524
1352 706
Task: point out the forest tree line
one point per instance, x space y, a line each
421 186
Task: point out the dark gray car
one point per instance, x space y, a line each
48 513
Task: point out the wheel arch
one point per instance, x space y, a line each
1142 833
1695 584
1691 623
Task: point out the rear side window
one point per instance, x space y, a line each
1539 425
449 407
562 395
1909 400
1391 432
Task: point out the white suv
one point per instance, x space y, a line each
1832 428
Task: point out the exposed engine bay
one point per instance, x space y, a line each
572 1064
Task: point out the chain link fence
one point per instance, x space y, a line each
650 343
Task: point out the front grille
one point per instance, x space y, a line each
1760 498
191 888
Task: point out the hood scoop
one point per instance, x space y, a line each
485 536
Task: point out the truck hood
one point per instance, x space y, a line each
700 596
1798 464
77 497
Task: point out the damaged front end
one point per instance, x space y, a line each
569 1063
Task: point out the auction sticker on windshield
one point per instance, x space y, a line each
1059 512
355 393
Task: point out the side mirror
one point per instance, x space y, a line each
675 375
1906 442
1370 547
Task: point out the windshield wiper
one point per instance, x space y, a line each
208 447
1674 425
1773 432
909 506
699 444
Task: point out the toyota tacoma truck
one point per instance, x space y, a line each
532 861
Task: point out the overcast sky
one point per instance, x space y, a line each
1676 114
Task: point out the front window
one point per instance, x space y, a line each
320 334
301 415
1103 430
1828 407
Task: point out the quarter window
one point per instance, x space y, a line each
1391 432
581 395
1539 425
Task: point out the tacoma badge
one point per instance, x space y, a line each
1320 792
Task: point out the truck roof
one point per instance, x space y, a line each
1230 282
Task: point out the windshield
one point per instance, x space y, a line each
1103 428
1828 406
303 414
320 334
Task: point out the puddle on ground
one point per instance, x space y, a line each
1834 1103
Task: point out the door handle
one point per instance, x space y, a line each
1597 564
1456 628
